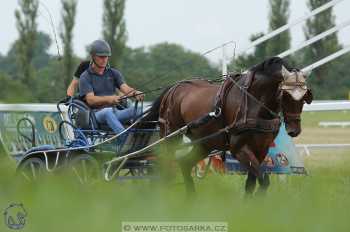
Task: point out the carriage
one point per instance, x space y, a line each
85 146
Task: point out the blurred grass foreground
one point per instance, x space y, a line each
317 202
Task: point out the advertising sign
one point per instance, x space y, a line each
16 132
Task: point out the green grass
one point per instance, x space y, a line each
311 119
313 133
318 202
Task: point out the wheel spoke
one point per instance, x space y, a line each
127 173
85 168
32 167
85 174
77 174
25 176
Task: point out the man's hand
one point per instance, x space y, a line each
67 99
139 95
101 101
114 99
131 92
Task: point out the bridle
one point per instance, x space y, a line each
285 87
298 85
291 117
244 90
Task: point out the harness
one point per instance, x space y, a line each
169 95
241 122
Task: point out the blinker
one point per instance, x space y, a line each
294 83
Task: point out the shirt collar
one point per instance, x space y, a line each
91 71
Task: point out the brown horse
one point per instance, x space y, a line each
245 119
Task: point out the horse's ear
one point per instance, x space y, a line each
308 96
285 73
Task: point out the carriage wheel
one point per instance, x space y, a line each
138 171
31 169
142 170
85 168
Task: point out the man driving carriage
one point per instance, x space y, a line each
98 84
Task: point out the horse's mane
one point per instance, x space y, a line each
270 66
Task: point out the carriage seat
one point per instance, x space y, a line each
84 118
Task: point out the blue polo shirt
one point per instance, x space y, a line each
101 85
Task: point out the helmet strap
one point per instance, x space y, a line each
94 62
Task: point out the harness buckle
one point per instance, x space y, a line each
216 113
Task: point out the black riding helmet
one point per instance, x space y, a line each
100 48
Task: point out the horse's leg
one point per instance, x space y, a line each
264 183
250 184
166 160
187 162
248 160
186 169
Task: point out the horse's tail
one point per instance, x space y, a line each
153 112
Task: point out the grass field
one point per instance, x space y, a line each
312 133
318 202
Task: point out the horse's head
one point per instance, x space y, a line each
282 89
293 94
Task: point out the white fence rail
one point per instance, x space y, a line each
314 106
315 39
332 124
327 59
29 107
289 25
305 148
327 106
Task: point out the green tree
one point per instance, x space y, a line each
51 87
13 91
278 16
8 63
27 30
322 76
41 50
40 59
244 61
68 21
114 28
164 64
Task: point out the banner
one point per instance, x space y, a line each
13 139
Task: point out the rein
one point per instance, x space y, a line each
291 116
241 121
125 96
245 91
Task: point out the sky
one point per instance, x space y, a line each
198 25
